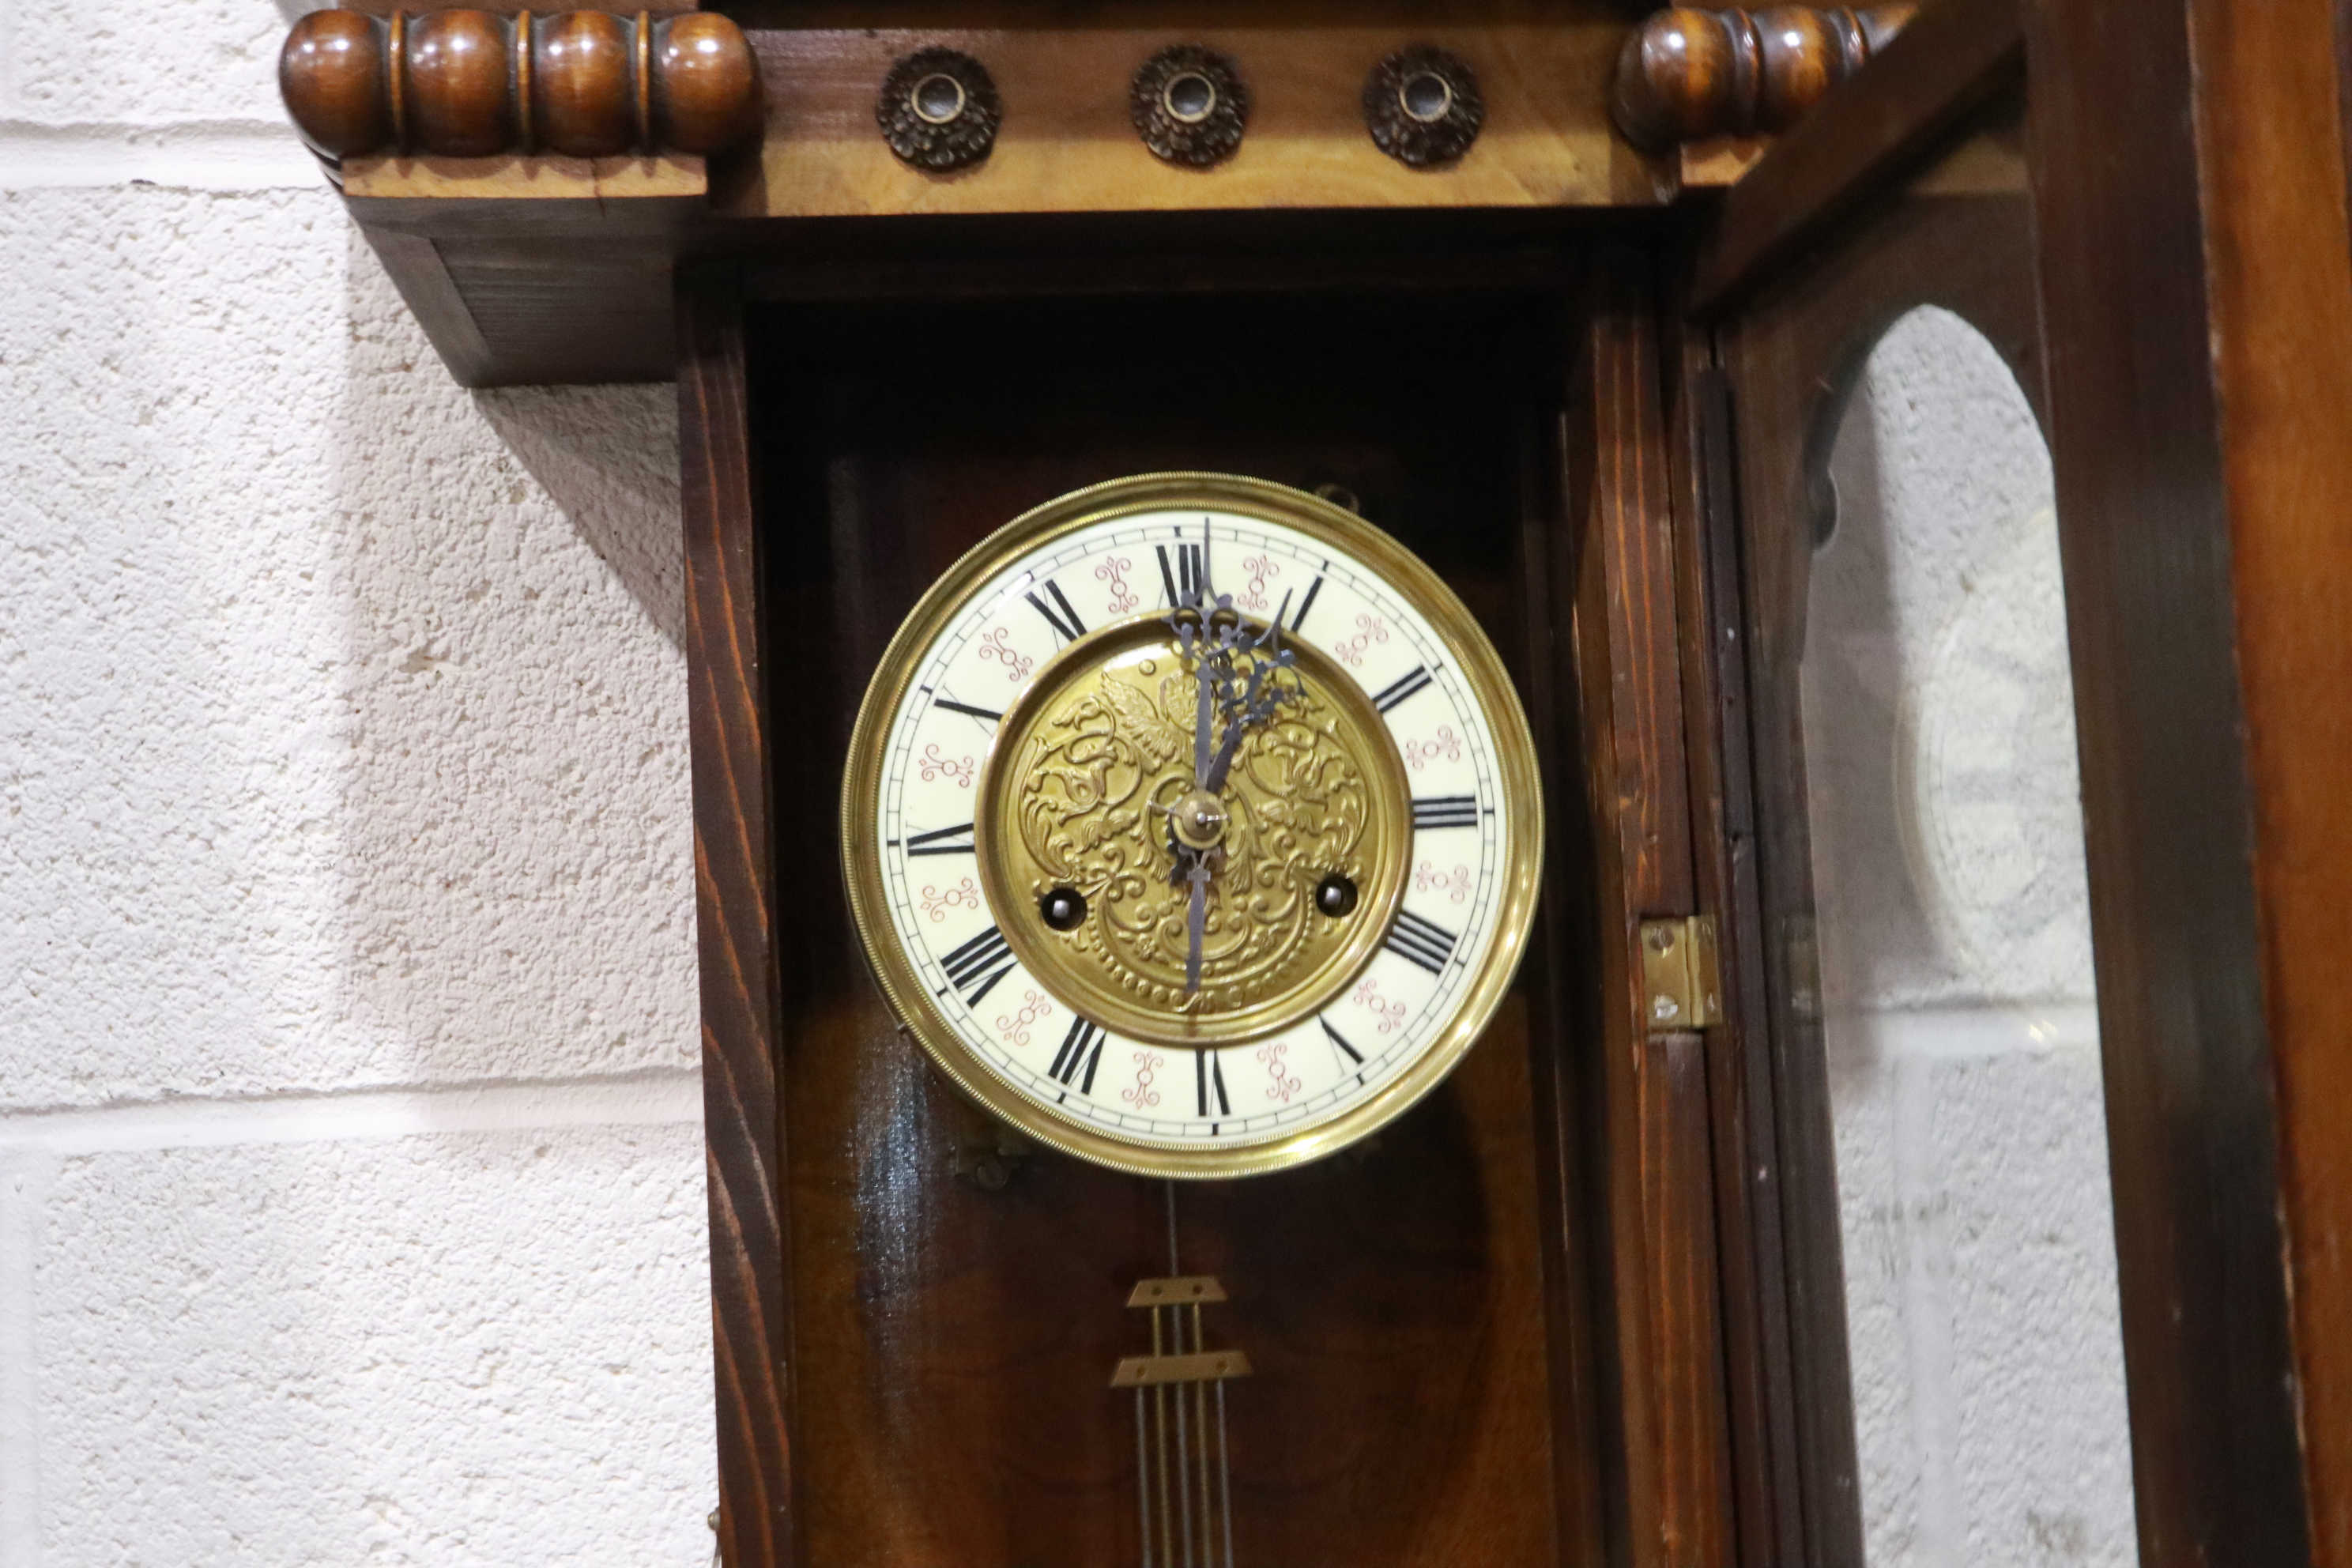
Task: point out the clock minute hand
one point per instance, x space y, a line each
1204 682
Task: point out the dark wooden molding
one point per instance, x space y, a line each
1687 74
1661 1329
473 84
735 891
1955 56
1760 1364
2192 260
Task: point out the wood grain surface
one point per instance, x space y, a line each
1690 73
1067 144
1901 112
1648 1120
458 82
2197 425
513 177
734 904
2279 267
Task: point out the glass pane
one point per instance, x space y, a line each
1955 960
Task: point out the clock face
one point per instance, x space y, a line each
1192 826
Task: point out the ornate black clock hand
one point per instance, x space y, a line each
1196 919
1254 707
1205 684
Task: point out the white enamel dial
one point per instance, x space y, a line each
1369 1046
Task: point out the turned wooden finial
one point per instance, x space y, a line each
1685 74
471 84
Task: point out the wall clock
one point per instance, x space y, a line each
1192 826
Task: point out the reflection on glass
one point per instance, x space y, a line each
1954 945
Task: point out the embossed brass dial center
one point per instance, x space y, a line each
1200 820
1091 774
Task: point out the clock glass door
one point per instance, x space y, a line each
1924 909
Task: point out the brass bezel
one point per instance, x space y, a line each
1474 657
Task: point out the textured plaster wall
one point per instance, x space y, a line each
350 1188
1957 998
351 1196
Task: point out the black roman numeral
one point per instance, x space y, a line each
942 841
1417 941
1066 624
1404 686
1306 605
1185 575
1082 1047
1338 1039
988 714
1211 1073
1444 810
974 968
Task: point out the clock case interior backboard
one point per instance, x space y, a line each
1406 1304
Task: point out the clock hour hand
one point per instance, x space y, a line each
1196 920
1254 707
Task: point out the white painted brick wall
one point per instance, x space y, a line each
350 1199
351 1186
1960 1009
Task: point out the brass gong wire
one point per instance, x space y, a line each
1143 1479
1159 1413
1201 1423
1183 1453
1225 1474
1182 1503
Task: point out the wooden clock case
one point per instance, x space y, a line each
956 1309
1584 1305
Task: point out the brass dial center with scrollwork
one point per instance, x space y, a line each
1090 786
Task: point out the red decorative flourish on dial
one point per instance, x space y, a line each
936 903
1142 1096
1417 753
1369 629
1455 884
1261 568
1113 570
1016 1028
996 646
934 765
1284 1085
1368 996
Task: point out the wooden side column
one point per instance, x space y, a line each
2197 291
2279 253
734 907
1662 1329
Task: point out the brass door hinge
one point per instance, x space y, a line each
1680 986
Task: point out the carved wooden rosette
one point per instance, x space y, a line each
471 84
1686 75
